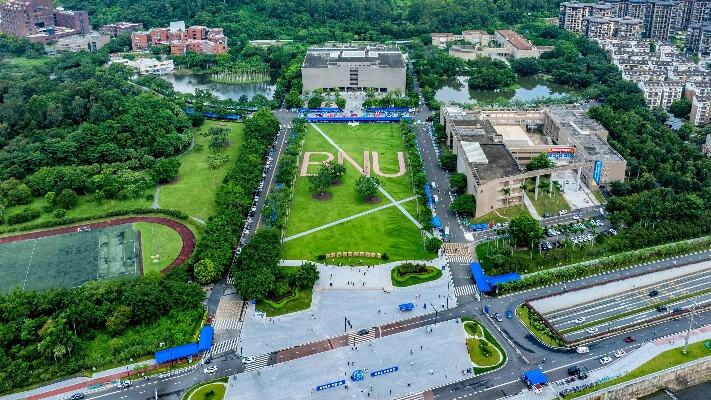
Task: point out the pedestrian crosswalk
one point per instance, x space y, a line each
413 396
259 362
464 290
459 259
224 324
224 346
354 339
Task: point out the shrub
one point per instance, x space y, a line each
27 214
67 199
321 257
59 213
384 256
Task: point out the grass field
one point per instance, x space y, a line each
544 337
385 231
667 359
501 215
478 335
546 203
202 390
158 240
68 260
194 191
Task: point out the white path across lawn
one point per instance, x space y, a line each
380 188
346 219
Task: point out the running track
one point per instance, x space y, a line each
185 234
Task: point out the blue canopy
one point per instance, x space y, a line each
356 119
387 109
479 227
407 307
206 335
479 277
175 353
436 222
495 280
323 109
534 377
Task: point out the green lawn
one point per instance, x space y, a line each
550 340
300 301
667 359
547 203
194 191
158 240
598 195
201 391
385 231
501 215
476 354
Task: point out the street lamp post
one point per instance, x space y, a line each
688 332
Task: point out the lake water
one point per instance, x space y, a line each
530 88
187 83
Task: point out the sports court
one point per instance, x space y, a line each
69 259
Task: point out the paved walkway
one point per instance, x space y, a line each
156 197
346 219
530 207
380 188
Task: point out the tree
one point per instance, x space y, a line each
119 319
540 161
448 160
680 108
307 275
206 271
51 199
485 73
293 99
458 182
525 66
67 199
367 186
525 230
20 194
333 170
433 245
315 100
165 170
320 182
340 102
464 204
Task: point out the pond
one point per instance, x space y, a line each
188 82
529 88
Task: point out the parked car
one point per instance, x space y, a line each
77 396
579 320
592 329
582 349
605 360
661 308
573 370
509 314
210 370
620 353
498 317
630 339
653 293
677 310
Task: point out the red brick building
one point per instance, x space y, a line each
199 39
39 21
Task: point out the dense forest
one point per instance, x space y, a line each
317 21
58 332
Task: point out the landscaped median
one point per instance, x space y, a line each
295 296
409 274
485 351
213 390
538 328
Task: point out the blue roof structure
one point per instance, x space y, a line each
205 341
487 283
479 277
534 377
387 109
175 353
324 109
356 119
435 222
407 307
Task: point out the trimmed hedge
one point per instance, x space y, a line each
412 274
115 213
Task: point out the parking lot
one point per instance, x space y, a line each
579 232
583 313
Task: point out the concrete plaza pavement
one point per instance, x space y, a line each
439 361
364 303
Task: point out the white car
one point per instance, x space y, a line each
620 353
576 217
579 320
210 370
247 360
605 360
592 329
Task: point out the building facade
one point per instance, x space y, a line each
91 42
40 22
354 68
609 28
120 28
698 39
199 39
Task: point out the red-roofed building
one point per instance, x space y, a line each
199 39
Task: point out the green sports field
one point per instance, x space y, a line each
69 259
383 231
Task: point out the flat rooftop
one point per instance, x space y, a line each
515 39
485 156
514 135
374 56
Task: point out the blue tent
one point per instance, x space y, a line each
206 334
316 110
175 353
479 227
407 307
534 377
495 280
387 109
436 223
479 277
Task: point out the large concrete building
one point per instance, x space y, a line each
199 39
354 68
502 44
659 19
40 22
493 147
